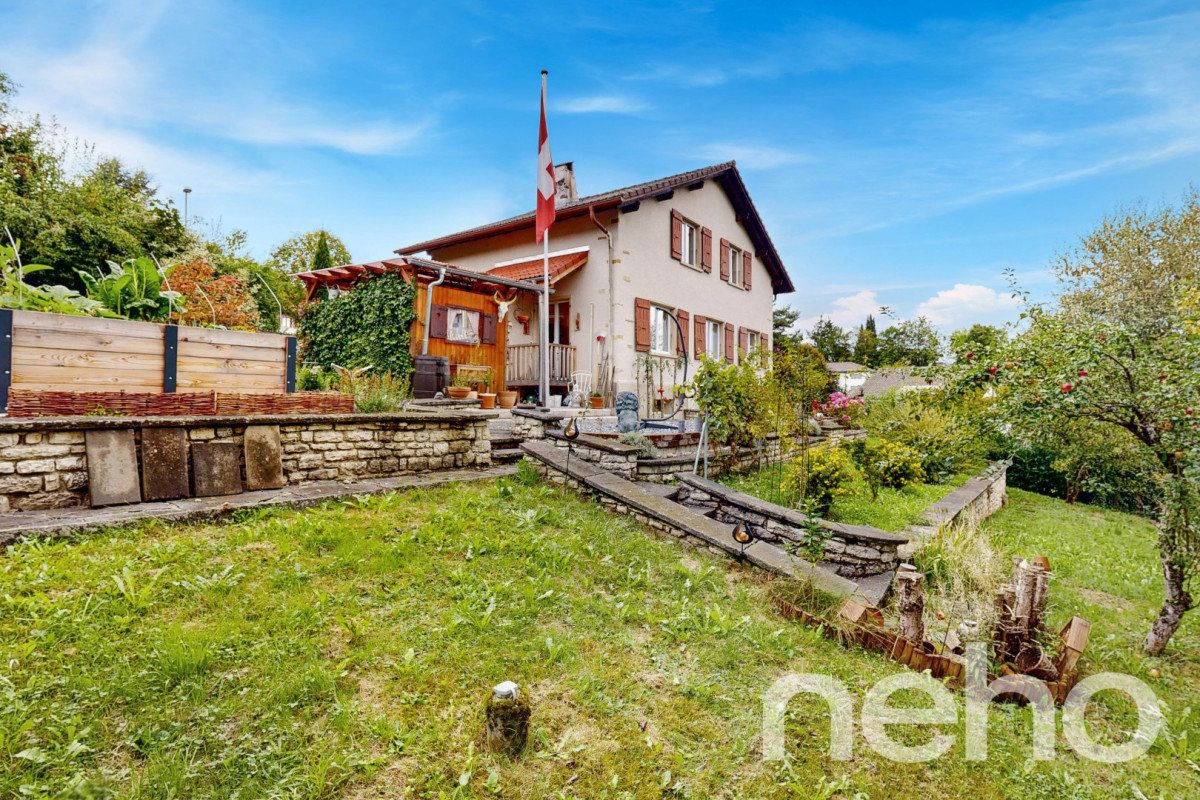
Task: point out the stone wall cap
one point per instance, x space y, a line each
596 443
86 423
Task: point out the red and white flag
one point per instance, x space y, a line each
545 174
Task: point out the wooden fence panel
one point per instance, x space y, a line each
55 352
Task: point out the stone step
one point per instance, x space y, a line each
506 455
505 442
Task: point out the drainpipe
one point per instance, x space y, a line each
612 281
429 308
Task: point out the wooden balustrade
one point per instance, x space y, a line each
521 368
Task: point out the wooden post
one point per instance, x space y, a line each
910 602
6 342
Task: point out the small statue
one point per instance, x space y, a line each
627 412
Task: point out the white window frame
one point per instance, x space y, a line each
661 331
456 332
735 265
714 339
689 243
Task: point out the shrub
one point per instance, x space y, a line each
315 379
945 440
819 477
375 393
365 327
644 446
132 289
845 409
886 463
214 299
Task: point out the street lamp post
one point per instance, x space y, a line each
187 190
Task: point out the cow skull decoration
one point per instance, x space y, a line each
502 305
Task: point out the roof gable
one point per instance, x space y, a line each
627 199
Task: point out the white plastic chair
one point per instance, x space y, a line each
581 387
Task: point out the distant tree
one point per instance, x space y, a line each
831 340
913 343
977 339
299 253
866 345
783 323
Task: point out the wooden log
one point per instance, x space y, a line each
910 602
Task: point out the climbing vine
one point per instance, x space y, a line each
367 326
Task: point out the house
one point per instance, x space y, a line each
850 376
640 276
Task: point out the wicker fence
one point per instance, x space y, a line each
57 355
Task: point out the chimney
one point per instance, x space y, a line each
564 182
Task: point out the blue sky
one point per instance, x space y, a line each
901 155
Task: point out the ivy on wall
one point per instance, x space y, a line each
367 326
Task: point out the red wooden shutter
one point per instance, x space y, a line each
706 249
487 328
729 342
681 346
724 259
437 322
747 261
641 325
676 235
698 345
743 342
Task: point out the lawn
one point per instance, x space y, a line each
345 651
893 510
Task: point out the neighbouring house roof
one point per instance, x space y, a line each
531 268
628 198
885 380
844 366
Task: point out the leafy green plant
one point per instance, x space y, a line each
886 463
366 326
821 478
643 444
17 294
944 436
377 393
315 379
132 289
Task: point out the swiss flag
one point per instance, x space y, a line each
545 174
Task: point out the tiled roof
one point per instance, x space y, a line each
531 269
727 173
884 380
844 366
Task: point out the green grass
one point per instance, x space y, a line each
346 650
893 510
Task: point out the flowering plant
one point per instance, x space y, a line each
845 409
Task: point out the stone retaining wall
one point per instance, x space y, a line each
852 551
974 501
43 462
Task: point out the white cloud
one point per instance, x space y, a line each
968 303
849 311
750 156
600 104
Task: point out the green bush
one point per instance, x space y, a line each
365 327
315 379
819 477
946 438
886 463
132 289
378 393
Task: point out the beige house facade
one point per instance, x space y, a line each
627 265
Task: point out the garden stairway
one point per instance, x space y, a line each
506 448
661 513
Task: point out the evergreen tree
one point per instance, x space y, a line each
321 258
831 340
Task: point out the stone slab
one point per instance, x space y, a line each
112 468
165 473
264 457
216 469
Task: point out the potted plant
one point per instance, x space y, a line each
597 400
487 400
460 386
506 399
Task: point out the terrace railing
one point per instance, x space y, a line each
521 367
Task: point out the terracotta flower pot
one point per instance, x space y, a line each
597 402
506 399
487 400
458 392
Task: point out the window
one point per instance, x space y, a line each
463 326
689 240
714 339
560 322
735 266
662 329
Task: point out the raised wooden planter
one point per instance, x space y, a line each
55 353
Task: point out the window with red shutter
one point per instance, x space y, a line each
487 329
729 355
706 249
641 325
724 259
698 347
747 262
437 322
681 344
743 343
676 235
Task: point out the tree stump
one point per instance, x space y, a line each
507 726
910 602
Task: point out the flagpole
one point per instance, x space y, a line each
544 334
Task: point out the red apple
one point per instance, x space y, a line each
970 354
1083 373
993 369
1065 388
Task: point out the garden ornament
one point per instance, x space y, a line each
503 305
627 412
